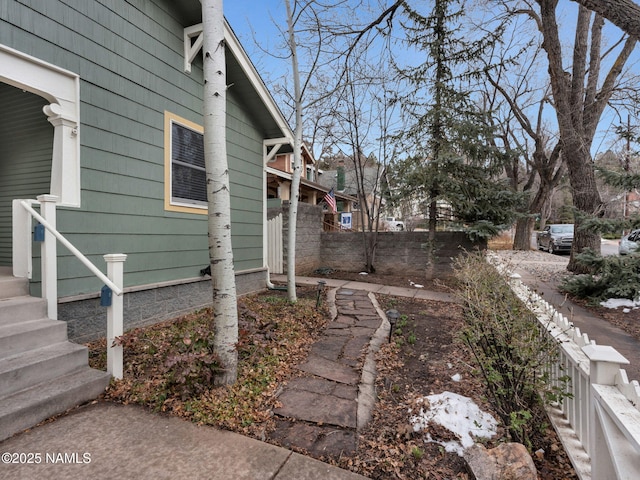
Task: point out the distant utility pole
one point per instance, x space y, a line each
626 167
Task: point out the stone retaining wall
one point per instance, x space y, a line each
308 234
395 251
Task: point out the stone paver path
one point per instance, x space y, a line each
319 411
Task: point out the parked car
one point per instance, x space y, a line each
556 237
629 243
394 225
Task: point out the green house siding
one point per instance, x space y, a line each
26 138
129 56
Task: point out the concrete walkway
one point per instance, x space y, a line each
331 399
416 293
112 441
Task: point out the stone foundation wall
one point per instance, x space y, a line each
87 320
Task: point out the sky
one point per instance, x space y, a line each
254 22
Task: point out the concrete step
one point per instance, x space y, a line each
11 286
29 407
17 309
30 335
26 369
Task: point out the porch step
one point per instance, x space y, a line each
29 407
29 335
23 370
11 286
41 373
15 309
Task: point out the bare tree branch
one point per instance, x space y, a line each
625 14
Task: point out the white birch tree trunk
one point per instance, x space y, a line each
297 152
225 309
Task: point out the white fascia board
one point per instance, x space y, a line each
44 79
62 88
233 44
270 142
279 173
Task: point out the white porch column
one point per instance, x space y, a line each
65 166
22 240
49 256
115 315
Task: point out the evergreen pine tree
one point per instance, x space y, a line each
455 161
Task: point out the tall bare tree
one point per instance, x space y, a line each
580 97
297 156
225 310
364 116
536 167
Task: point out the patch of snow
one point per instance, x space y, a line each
363 273
620 302
457 377
417 285
457 414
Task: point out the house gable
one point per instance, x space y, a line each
129 56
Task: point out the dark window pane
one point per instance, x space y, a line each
187 145
189 183
187 165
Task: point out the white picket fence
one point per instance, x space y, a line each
599 424
275 250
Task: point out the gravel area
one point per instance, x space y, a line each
542 265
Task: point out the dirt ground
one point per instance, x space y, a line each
627 320
421 360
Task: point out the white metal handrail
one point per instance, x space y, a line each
85 261
22 256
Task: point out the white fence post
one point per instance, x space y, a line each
604 364
274 245
21 241
115 322
48 253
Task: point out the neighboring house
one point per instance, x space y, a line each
345 182
623 204
279 178
98 110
